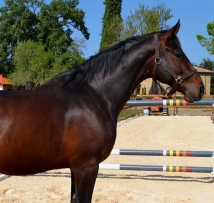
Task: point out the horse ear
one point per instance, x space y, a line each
173 31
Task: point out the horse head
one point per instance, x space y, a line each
170 65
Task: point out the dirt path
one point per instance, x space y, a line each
154 132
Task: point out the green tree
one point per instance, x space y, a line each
52 25
145 20
18 21
57 21
208 43
34 65
111 23
209 65
70 58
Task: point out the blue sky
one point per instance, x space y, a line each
194 16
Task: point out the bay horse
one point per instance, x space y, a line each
70 121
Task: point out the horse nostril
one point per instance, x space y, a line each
202 90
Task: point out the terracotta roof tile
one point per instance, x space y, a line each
6 81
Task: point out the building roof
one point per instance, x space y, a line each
6 81
202 70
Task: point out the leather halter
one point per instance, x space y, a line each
178 79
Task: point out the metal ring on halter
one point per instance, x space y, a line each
158 61
178 80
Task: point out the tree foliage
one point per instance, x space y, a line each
18 21
32 23
145 20
209 65
34 65
111 23
56 22
208 43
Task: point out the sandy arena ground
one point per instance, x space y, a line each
153 132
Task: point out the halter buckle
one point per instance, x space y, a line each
178 80
158 61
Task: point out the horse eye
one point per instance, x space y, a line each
178 55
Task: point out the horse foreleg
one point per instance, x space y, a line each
72 187
84 179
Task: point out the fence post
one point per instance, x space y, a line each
146 111
212 117
165 111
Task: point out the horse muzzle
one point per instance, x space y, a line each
192 96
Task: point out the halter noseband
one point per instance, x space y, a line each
178 79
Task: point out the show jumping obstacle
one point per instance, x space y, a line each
180 153
166 103
193 169
170 102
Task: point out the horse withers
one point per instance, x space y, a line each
70 121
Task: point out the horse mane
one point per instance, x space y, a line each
105 61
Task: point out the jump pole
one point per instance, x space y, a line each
192 169
3 176
181 153
170 102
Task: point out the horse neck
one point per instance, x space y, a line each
117 87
